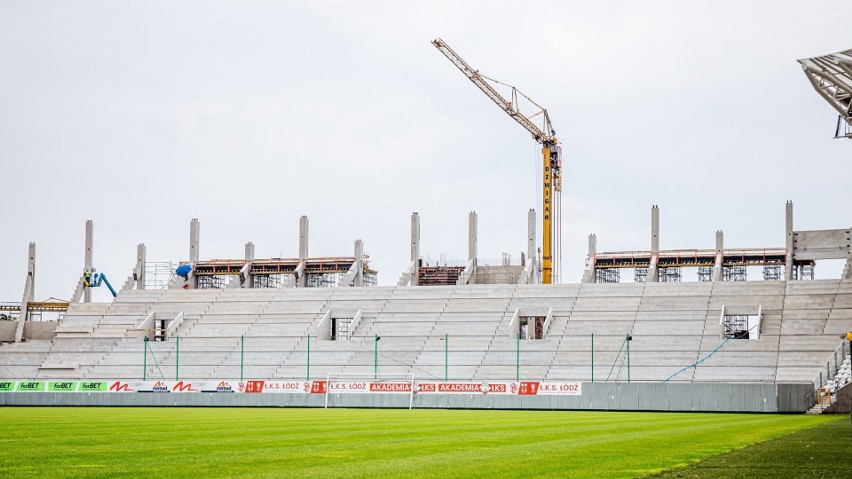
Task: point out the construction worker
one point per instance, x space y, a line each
87 277
849 336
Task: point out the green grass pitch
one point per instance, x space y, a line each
317 443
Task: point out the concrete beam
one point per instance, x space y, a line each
472 239
87 261
303 248
788 269
415 246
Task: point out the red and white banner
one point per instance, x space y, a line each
294 386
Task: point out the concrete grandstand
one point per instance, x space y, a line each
779 341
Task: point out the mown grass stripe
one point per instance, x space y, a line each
245 442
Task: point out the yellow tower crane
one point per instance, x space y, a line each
552 168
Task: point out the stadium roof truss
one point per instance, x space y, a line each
831 77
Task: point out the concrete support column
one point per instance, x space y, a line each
415 246
194 240
194 249
303 248
653 272
87 266
589 274
31 271
655 229
531 239
531 246
788 269
249 281
472 239
718 269
358 281
140 266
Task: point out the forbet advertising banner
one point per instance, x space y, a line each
522 388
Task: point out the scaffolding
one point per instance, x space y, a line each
670 274
734 273
212 281
607 275
639 275
370 278
773 272
736 326
158 275
803 271
705 274
322 280
266 281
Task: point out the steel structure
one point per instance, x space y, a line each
831 77
552 154
267 272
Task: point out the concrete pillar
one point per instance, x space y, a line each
31 271
90 238
194 240
655 229
415 246
140 266
249 281
589 274
531 236
194 249
472 239
788 269
358 281
653 272
593 246
718 268
303 248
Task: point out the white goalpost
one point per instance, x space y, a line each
352 383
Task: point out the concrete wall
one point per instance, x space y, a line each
44 330
7 331
769 398
497 274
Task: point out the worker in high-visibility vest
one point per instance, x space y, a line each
849 336
87 277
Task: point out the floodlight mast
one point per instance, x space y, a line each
831 77
552 166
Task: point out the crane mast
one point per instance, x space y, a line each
551 250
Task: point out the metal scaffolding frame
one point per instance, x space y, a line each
831 77
670 274
803 271
705 274
773 272
734 273
212 281
607 275
267 280
639 275
159 274
736 326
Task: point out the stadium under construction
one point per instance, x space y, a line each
320 331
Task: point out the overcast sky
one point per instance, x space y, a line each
247 115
